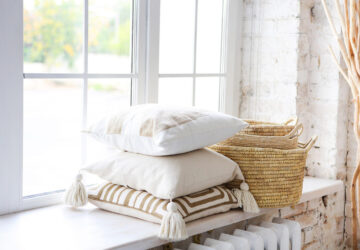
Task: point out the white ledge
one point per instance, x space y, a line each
60 227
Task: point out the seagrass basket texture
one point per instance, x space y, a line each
275 176
269 128
287 141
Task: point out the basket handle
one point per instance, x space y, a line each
297 131
307 146
294 119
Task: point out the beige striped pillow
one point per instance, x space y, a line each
140 204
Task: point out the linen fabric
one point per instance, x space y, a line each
142 205
154 129
167 177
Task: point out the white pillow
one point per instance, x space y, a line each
153 129
167 177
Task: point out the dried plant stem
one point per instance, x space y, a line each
349 46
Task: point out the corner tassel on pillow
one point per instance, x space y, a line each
172 225
76 195
245 198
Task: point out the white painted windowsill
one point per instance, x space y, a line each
60 227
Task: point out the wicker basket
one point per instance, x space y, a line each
275 176
288 141
269 128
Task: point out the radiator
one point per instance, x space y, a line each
280 234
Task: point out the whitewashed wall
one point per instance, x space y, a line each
286 71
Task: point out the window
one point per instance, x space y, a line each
78 65
191 58
76 60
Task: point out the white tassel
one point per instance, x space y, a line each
172 225
245 198
76 195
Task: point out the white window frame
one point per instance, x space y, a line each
144 86
230 51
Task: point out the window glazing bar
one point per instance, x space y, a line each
192 75
75 75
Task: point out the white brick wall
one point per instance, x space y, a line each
287 70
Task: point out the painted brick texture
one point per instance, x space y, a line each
298 77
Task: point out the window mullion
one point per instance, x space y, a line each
195 48
152 57
85 79
138 87
231 56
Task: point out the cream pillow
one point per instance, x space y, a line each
154 129
167 177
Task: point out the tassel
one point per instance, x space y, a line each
245 198
76 195
172 225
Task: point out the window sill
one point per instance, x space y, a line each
60 227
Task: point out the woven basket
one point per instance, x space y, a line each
275 176
288 141
268 128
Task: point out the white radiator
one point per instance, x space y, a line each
281 234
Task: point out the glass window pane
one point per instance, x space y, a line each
209 31
207 93
53 36
52 138
176 91
177 22
105 96
110 36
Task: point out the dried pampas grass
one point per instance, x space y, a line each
349 44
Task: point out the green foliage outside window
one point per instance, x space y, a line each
53 32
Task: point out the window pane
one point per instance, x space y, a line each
207 93
105 96
177 22
53 36
175 91
52 125
208 47
110 36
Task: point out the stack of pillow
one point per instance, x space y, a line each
161 171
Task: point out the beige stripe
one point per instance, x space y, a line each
160 211
201 193
157 204
102 189
229 194
117 194
183 208
155 214
104 192
108 191
208 208
137 196
133 198
140 199
128 197
118 199
115 190
149 204
183 200
201 202
143 201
